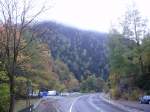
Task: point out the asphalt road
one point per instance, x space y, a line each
85 103
92 103
82 103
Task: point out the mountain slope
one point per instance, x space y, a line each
85 52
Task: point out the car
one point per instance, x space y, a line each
145 100
33 94
43 94
52 93
64 94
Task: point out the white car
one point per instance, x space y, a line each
145 99
64 94
52 93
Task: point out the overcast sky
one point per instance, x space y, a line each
92 14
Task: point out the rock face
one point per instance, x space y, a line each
85 52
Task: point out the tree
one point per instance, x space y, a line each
15 21
128 51
65 76
134 28
146 53
92 83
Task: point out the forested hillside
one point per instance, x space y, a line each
45 72
39 57
58 57
129 58
84 52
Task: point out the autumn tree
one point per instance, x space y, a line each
16 19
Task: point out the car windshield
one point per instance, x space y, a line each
146 97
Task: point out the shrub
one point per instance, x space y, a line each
21 87
134 95
4 97
115 93
125 96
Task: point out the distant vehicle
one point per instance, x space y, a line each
64 94
33 94
43 94
52 93
76 93
145 100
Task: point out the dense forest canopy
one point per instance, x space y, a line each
84 52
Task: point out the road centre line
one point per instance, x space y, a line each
89 101
70 110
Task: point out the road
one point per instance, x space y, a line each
82 103
92 103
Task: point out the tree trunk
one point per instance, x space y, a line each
141 64
12 95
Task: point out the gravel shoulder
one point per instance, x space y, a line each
130 106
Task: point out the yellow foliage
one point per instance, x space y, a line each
115 93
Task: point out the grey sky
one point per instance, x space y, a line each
92 14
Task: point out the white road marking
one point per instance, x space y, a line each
90 102
70 110
94 106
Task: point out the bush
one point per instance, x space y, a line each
21 87
115 93
125 96
134 95
4 97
